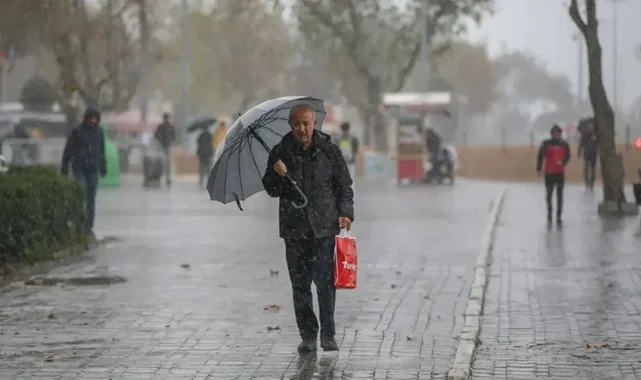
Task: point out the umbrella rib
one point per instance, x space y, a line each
226 170
254 159
240 177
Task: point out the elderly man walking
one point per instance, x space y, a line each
310 158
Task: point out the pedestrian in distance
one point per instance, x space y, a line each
219 134
166 135
85 151
588 149
205 153
349 147
309 157
553 156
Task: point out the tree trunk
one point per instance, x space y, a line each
604 122
376 119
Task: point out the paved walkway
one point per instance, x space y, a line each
562 303
208 296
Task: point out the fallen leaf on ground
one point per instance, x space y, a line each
185 266
597 345
273 328
49 359
409 338
272 307
393 286
273 273
51 316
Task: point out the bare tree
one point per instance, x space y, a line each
373 45
241 49
471 73
92 44
603 112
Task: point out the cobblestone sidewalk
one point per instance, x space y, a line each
562 303
207 294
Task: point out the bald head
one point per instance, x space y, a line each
299 109
302 120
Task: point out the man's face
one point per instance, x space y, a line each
92 120
556 134
303 123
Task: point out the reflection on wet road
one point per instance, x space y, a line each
202 281
562 303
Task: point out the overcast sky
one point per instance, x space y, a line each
544 28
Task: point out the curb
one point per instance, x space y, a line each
462 365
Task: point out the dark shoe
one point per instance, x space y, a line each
307 346
549 218
329 344
559 220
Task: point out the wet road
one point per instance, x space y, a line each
562 303
226 313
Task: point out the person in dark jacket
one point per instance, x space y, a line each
311 159
588 149
85 150
554 155
166 135
205 152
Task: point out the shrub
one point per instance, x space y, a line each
41 213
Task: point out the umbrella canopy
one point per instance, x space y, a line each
202 123
241 158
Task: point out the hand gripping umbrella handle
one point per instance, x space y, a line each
300 192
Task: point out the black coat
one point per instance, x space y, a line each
85 147
588 145
205 146
165 134
322 174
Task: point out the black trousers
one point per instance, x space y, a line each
204 166
311 259
554 181
589 170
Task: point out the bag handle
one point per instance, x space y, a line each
345 232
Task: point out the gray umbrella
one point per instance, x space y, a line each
241 158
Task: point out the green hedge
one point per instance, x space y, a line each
41 213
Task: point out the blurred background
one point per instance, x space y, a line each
483 73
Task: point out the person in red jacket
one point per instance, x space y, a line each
553 156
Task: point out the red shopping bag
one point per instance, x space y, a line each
345 261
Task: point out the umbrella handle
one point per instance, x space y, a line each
300 192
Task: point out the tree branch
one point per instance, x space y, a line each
590 6
79 7
575 14
406 69
350 43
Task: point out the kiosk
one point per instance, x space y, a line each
410 114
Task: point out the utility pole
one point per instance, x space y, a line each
425 49
615 55
185 61
144 61
580 76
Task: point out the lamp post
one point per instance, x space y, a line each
185 61
578 37
425 40
615 54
